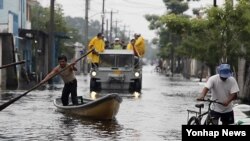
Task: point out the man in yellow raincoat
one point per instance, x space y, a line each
139 44
131 46
98 44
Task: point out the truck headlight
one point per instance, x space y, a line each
136 94
93 73
93 95
137 74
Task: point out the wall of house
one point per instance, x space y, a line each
17 7
14 16
0 62
8 5
9 74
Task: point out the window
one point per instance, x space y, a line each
124 60
116 60
1 4
107 60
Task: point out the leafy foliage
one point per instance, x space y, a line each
216 37
40 18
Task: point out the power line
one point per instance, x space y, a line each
135 6
143 3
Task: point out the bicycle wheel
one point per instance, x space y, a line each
211 121
193 121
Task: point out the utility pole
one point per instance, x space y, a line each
215 5
103 15
129 34
124 31
111 25
116 27
51 49
111 20
107 28
86 35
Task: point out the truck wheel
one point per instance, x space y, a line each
94 86
137 85
131 87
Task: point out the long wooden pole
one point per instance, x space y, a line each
3 106
12 64
86 35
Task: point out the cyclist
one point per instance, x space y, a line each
224 89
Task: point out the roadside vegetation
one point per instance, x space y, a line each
214 35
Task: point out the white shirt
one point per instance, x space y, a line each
221 90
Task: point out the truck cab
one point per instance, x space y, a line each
117 70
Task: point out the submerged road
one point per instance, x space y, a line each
156 115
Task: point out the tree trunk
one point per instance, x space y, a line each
186 70
246 88
212 69
202 71
241 74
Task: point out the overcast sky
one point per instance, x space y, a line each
127 12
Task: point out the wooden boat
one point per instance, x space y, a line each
104 108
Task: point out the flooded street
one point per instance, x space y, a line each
157 115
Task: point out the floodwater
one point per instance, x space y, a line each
157 114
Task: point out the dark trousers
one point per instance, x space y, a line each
226 118
94 65
136 64
69 88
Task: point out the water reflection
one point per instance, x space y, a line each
7 96
157 114
124 94
99 128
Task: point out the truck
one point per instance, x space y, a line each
117 70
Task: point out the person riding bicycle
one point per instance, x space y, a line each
224 89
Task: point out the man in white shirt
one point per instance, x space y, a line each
224 89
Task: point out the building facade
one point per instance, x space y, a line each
15 15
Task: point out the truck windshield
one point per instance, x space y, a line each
124 61
116 60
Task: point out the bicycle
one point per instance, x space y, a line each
197 119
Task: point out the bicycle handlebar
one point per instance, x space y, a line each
211 101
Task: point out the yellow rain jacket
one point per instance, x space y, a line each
140 46
99 46
129 46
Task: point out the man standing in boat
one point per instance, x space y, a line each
68 76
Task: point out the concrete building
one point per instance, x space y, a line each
15 16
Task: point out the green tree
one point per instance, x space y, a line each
40 21
169 39
222 35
